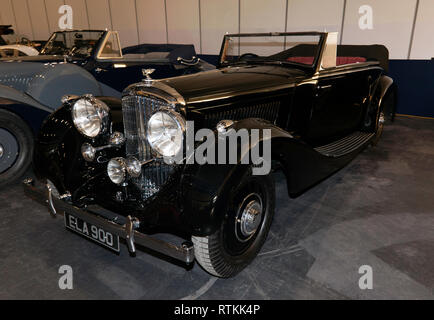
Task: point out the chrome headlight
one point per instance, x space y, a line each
116 170
165 132
134 167
90 116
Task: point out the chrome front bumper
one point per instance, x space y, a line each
126 231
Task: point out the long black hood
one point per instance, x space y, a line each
233 81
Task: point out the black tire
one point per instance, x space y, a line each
379 129
18 133
389 105
228 250
386 115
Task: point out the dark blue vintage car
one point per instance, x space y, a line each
73 63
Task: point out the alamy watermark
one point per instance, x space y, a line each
66 280
230 146
366 281
366 20
65 20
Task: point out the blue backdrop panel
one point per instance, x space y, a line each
415 81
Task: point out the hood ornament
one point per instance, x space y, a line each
147 73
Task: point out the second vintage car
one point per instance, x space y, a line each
115 171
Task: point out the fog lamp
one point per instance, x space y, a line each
88 152
116 170
134 167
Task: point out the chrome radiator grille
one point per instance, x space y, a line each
136 112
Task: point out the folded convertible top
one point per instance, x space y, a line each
185 51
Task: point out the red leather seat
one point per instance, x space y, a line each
347 60
339 60
303 60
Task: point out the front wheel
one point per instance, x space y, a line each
16 145
247 220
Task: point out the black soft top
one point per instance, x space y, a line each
5 29
185 51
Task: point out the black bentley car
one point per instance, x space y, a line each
125 171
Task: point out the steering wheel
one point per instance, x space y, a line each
247 55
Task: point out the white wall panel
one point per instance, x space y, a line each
99 14
151 19
80 19
183 22
392 23
217 18
38 15
6 13
124 21
262 16
203 22
423 40
53 13
315 15
23 23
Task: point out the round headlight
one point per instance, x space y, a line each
134 167
116 170
88 152
89 116
166 132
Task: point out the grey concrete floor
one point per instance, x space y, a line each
377 211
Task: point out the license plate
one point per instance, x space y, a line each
92 232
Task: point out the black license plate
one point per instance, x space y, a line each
92 232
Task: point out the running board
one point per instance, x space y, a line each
345 145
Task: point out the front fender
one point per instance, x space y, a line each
57 154
62 79
27 108
207 188
9 95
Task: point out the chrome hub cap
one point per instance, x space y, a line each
9 150
249 217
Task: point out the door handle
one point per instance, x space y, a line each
320 90
329 86
99 70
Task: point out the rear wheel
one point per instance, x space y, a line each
247 220
16 146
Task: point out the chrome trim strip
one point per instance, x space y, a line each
227 96
163 91
50 201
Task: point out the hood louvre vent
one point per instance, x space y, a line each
268 111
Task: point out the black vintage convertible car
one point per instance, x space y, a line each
121 171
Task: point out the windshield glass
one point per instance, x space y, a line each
72 43
298 49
